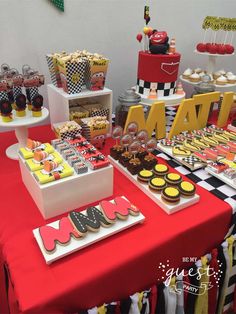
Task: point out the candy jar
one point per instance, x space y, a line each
126 100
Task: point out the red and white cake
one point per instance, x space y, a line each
157 74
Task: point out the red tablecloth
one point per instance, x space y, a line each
111 269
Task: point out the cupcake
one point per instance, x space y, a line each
198 70
187 73
170 195
222 80
173 178
160 170
116 151
201 74
222 72
194 78
187 189
228 74
231 79
157 184
216 75
145 175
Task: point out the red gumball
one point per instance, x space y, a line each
201 47
221 49
213 49
229 49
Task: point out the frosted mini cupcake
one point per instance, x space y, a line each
194 78
187 73
222 80
216 75
231 79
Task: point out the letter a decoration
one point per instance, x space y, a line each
59 4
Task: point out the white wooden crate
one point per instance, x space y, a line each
69 193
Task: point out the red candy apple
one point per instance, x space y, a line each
221 49
229 49
201 47
213 48
208 45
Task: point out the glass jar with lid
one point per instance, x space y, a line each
126 100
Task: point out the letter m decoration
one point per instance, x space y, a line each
51 235
121 208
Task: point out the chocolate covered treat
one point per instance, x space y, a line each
20 105
37 104
125 158
116 151
149 162
134 166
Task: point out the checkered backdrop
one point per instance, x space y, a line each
162 89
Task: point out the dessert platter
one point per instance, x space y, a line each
132 156
199 148
81 229
212 47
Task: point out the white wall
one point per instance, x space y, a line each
31 28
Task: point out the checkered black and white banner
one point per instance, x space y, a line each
162 89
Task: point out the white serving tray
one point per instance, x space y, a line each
168 151
156 197
60 196
221 177
90 238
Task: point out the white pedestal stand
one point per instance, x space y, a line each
21 125
59 102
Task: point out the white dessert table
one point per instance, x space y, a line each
21 124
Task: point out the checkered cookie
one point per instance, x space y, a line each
162 89
191 160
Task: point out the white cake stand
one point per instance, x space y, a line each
21 124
